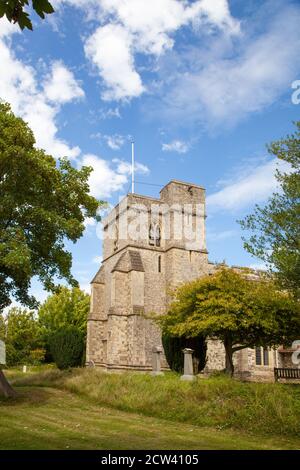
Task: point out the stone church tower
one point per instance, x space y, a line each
150 245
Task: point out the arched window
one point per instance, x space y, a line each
154 234
261 356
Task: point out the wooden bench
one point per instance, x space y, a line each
285 373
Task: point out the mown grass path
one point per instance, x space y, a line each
48 418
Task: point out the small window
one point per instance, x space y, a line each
258 356
261 356
159 264
266 356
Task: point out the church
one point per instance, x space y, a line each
151 245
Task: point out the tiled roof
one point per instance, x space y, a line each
136 260
129 261
99 278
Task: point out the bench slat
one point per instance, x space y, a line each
286 373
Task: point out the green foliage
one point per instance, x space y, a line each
37 356
234 308
67 346
68 307
275 228
22 336
15 12
43 204
173 347
28 336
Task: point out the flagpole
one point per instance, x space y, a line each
132 167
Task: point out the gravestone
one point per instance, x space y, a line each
188 369
156 355
2 353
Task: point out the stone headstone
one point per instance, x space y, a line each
2 353
188 371
24 369
156 355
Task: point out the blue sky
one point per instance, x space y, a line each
200 85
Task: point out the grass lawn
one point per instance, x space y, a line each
87 409
48 418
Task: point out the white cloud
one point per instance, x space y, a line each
152 22
104 180
221 84
19 85
85 287
216 83
115 141
109 49
89 222
109 177
7 28
140 26
97 259
255 187
41 118
110 113
62 86
124 167
178 146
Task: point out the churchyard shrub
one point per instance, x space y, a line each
67 346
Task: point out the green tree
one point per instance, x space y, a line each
60 311
67 347
68 307
275 228
43 203
15 11
22 335
232 307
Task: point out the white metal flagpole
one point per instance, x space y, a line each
132 167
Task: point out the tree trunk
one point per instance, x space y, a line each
5 388
229 354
